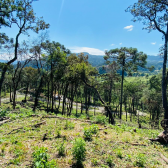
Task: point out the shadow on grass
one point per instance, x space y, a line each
77 165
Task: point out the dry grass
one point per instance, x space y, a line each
118 145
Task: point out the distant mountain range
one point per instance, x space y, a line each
98 61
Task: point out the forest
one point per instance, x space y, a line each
65 109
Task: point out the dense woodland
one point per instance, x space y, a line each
43 79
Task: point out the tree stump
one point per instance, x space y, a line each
163 136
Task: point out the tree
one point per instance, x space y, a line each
29 76
20 13
55 59
129 60
153 14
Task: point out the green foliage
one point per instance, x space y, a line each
109 161
99 119
3 113
87 134
41 159
119 154
79 150
140 160
2 151
128 157
94 129
58 132
69 125
61 149
95 162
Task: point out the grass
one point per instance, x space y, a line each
110 145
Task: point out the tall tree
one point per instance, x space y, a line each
129 59
56 58
153 14
22 15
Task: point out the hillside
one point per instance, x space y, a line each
29 139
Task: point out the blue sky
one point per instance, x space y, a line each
93 26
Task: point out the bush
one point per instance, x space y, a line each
87 134
79 150
95 162
61 149
2 113
41 159
69 125
109 161
94 129
140 160
100 119
119 154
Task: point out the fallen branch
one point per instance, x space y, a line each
134 144
35 125
164 158
5 121
62 118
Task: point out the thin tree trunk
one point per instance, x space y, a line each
122 81
26 91
64 98
164 78
38 93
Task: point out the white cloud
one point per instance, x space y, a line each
160 44
112 44
92 51
120 43
153 43
129 28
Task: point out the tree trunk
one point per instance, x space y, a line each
12 60
38 93
64 97
109 113
164 79
10 93
48 95
26 91
122 80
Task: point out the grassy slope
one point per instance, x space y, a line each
119 144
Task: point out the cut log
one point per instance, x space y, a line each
162 137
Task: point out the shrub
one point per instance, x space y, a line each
119 154
58 132
87 134
2 113
109 161
41 159
79 150
95 162
61 149
94 129
69 125
100 119
140 160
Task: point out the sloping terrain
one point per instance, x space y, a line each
25 133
